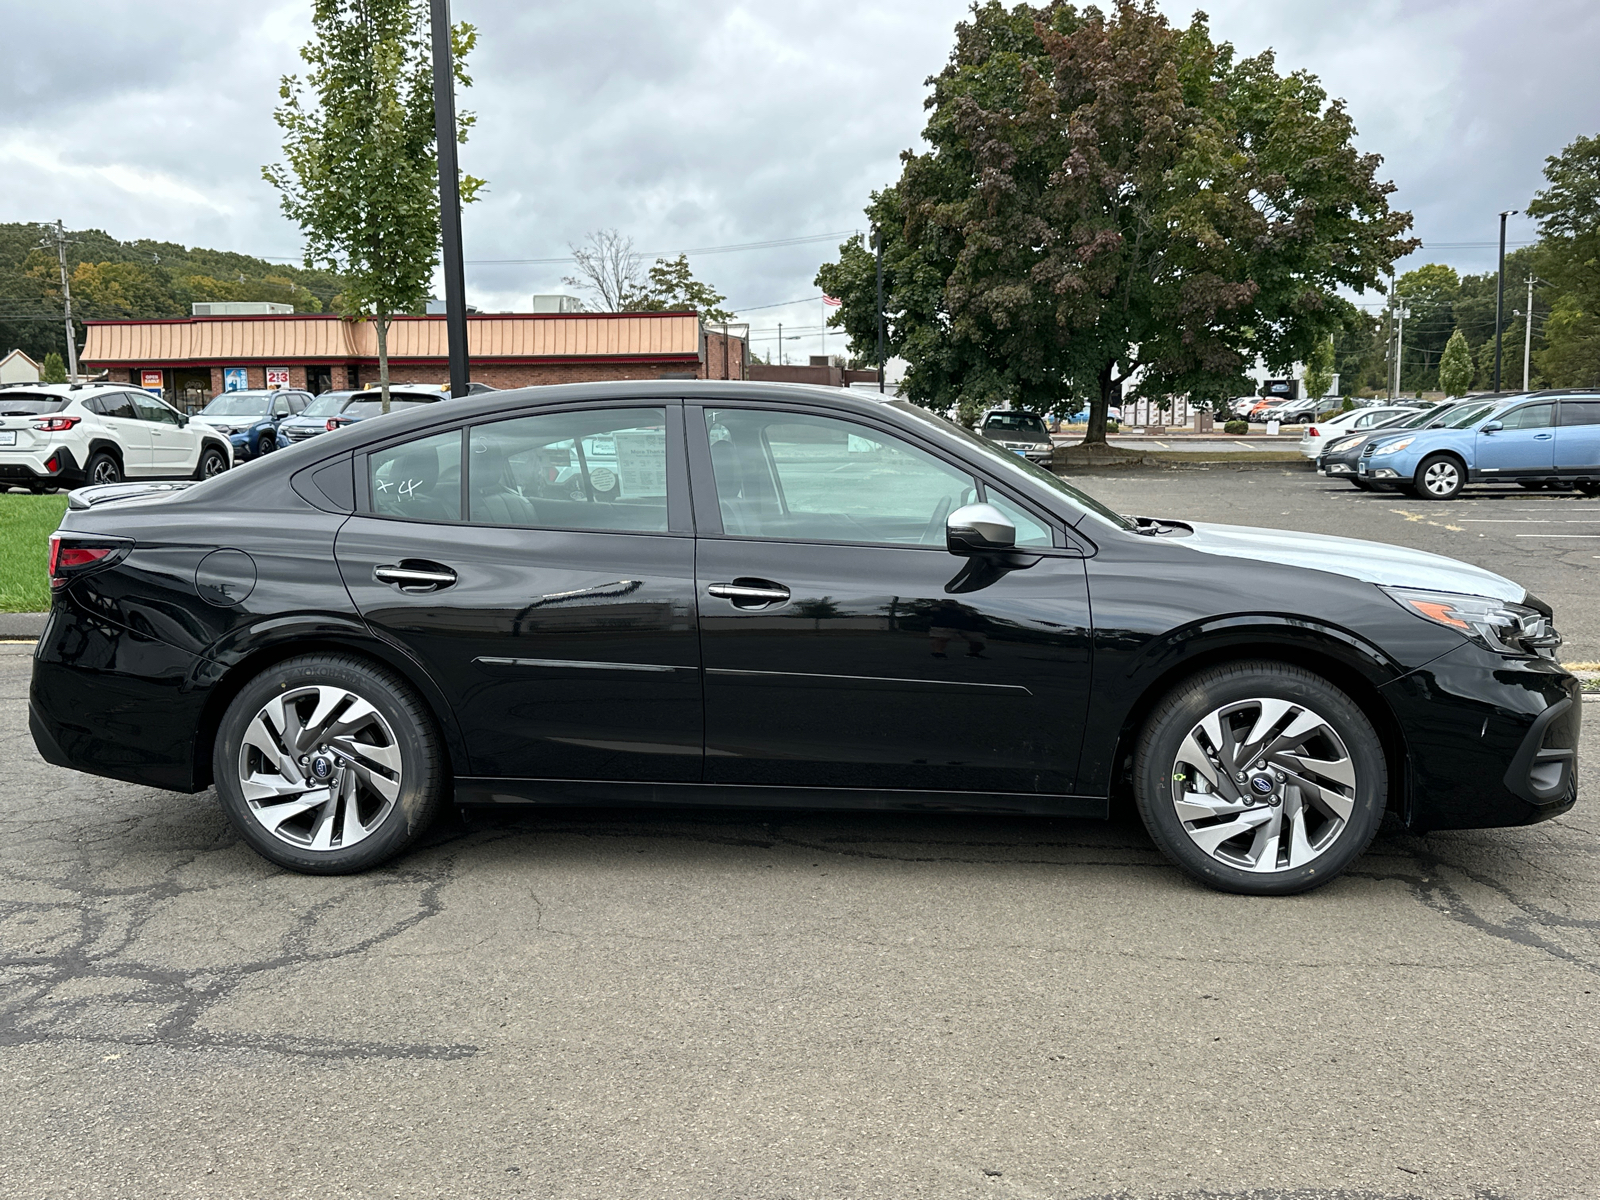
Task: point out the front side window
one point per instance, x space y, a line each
280 406
811 478
418 481
151 409
602 469
1031 531
1534 416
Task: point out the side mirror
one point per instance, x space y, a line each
1492 427
183 420
975 528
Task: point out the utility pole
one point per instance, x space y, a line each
877 237
1527 335
1500 295
1401 313
780 343
444 129
60 233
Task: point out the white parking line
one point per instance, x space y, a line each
1247 445
1560 535
1527 521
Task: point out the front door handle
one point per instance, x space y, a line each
410 575
750 593
1542 437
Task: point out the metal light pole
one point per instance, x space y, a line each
1500 295
444 128
1527 335
1401 312
877 237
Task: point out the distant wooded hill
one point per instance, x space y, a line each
141 278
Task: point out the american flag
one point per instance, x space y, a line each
831 301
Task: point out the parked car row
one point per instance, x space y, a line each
1532 439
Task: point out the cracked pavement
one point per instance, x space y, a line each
610 1003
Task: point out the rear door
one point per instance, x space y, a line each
1578 438
120 414
559 617
841 649
1524 445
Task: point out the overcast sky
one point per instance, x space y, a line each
692 125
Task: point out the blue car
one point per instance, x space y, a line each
1537 439
250 419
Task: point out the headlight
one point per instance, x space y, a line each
1343 444
1393 447
1497 625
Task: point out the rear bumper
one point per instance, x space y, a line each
1492 741
113 702
34 470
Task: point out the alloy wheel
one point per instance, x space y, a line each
1441 478
319 768
105 471
1263 785
214 465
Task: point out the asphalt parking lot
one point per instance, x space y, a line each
759 1005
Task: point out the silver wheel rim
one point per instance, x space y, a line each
319 768
214 464
1263 785
1440 478
105 471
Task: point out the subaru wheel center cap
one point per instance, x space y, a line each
321 767
1262 785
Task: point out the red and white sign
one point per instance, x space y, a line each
277 377
150 379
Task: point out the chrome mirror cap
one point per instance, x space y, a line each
977 527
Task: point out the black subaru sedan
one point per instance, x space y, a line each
732 593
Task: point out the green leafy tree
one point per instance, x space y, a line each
672 287
361 178
1568 212
53 370
1111 203
1455 365
1430 293
1319 369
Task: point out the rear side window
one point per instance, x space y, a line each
1580 412
116 404
417 481
605 469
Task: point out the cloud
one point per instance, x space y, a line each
689 124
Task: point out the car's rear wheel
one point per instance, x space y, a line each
212 462
103 468
1439 477
328 765
1260 778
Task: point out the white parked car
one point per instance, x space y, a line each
56 435
1357 420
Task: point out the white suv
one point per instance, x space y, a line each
55 435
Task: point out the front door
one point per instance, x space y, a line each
174 449
836 653
559 617
1524 445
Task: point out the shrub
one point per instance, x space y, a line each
1235 427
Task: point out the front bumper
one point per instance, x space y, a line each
1490 740
58 468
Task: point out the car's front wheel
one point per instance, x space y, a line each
212 462
328 764
267 444
1260 778
1439 477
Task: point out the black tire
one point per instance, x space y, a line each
1589 489
423 774
212 462
1439 477
267 443
102 467
1181 710
1533 485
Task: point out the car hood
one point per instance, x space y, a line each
1372 562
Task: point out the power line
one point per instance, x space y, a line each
769 244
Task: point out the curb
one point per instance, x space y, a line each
1149 463
22 625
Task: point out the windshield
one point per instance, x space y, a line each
1468 414
362 409
327 404
1015 464
238 404
30 406
1014 423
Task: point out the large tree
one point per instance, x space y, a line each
1111 203
362 174
1568 212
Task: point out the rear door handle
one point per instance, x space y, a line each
410 575
750 593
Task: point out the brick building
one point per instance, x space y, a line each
193 358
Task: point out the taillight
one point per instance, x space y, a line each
56 424
1312 432
71 556
332 425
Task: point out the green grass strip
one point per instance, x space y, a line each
26 523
